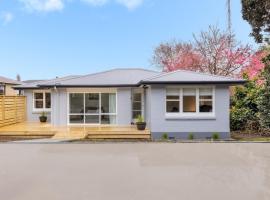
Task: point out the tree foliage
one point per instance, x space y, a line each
257 13
212 51
244 106
264 100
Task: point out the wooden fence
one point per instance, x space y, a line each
12 109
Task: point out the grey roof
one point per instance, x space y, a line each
9 81
35 84
190 77
114 77
128 77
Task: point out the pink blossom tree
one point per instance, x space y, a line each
212 51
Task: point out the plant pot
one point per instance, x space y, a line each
141 125
43 119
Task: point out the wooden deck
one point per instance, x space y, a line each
74 132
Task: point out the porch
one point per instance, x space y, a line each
36 129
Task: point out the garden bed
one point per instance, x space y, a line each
250 136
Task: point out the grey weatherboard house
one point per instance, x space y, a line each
177 103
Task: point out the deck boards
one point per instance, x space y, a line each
74 132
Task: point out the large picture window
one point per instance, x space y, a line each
189 100
42 101
92 108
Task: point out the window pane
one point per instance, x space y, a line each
38 104
38 96
205 91
2 89
76 103
92 119
76 119
137 97
172 92
135 114
172 106
108 103
48 100
189 92
137 106
206 106
108 119
92 103
189 103
170 97
205 98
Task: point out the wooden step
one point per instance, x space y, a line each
119 136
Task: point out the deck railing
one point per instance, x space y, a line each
12 110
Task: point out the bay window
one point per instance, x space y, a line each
190 101
41 101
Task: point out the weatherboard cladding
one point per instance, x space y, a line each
132 77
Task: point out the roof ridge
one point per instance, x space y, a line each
162 74
106 71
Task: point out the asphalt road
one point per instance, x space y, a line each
139 171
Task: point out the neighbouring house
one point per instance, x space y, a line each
6 86
176 103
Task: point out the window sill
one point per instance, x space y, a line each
190 116
37 111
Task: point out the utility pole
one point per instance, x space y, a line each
229 19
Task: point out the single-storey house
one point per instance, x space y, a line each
6 86
176 103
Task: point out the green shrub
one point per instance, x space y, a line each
190 136
215 136
165 136
244 106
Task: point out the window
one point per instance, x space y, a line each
137 104
92 108
172 101
189 101
42 101
2 89
206 100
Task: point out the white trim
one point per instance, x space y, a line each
91 91
44 109
191 115
140 91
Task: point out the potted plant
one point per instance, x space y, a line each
141 124
43 117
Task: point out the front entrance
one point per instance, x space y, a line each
92 108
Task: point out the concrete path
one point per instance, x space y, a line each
135 171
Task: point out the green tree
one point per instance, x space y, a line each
257 13
244 106
264 100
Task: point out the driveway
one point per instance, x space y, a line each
141 171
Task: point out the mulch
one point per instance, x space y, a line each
245 134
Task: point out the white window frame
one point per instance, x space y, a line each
135 91
191 115
90 91
44 109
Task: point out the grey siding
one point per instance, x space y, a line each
147 107
181 127
31 115
59 107
124 106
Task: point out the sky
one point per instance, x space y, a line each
41 39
